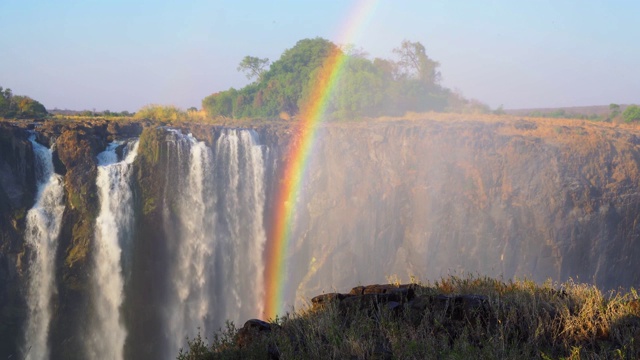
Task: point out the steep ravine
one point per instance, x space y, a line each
507 197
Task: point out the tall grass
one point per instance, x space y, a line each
522 320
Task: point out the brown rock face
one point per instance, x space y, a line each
511 198
17 188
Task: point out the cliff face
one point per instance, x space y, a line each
538 199
17 187
506 197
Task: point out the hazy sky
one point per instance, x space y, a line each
123 54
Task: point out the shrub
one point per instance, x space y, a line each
631 113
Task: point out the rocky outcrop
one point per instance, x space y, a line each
408 303
417 321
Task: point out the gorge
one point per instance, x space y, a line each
121 239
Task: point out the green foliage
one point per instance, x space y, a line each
220 104
614 110
362 87
414 63
19 107
631 113
253 67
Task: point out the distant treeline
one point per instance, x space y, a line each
91 113
19 107
615 112
364 87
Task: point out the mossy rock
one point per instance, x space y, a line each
79 249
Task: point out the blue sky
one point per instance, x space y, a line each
123 54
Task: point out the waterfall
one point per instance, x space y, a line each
217 209
42 230
107 334
195 246
240 180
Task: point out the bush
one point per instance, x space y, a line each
631 113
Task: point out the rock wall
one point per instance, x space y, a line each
537 199
501 197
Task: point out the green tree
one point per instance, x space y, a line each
631 113
363 87
358 91
253 67
614 110
415 63
220 104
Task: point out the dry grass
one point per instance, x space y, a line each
523 321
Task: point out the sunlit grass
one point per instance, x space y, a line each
524 320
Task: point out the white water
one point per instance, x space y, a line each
218 267
43 228
241 179
107 334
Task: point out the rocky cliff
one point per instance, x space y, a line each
428 197
514 198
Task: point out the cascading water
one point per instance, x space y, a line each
240 169
43 228
107 334
218 215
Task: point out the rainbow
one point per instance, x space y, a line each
293 172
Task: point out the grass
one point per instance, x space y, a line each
521 320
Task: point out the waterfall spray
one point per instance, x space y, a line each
43 228
107 333
218 267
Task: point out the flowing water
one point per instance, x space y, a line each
43 228
218 220
107 333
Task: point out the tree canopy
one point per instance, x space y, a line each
631 113
253 67
19 107
363 88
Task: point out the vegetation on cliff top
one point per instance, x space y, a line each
364 88
454 318
19 107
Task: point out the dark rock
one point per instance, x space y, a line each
323 300
406 291
252 331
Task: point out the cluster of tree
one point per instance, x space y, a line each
631 113
105 113
364 87
19 107
89 113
